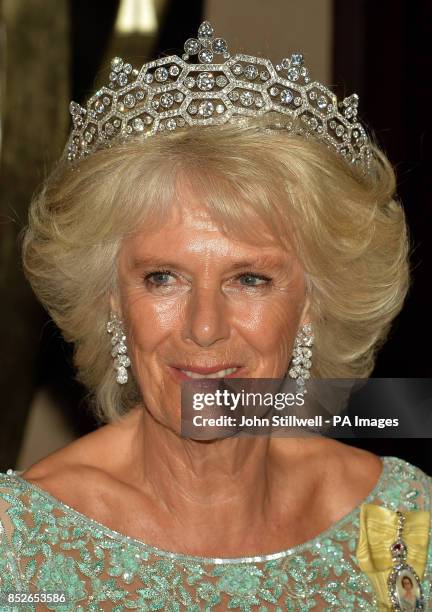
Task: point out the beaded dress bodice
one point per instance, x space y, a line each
46 545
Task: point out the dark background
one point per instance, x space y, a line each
379 51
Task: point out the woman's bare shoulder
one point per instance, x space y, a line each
340 476
87 476
94 452
335 461
75 474
349 475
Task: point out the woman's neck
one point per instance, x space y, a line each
228 486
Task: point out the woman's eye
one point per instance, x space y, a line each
254 280
158 279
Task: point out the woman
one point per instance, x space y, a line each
219 246
409 601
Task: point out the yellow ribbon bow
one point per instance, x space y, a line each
378 531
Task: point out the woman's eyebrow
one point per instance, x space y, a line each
140 262
262 261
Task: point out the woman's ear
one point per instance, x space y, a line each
305 315
114 304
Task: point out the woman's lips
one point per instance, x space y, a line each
201 372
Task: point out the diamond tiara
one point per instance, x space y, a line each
174 92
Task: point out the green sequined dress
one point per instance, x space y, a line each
48 546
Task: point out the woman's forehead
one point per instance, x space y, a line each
194 225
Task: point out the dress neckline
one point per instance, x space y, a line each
116 535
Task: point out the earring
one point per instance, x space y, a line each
119 351
301 359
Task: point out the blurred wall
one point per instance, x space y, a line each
34 124
277 28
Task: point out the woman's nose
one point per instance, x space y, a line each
207 316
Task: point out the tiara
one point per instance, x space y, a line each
173 92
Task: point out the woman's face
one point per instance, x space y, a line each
406 583
193 298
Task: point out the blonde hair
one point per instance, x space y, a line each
347 229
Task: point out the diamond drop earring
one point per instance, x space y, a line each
119 351
301 358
